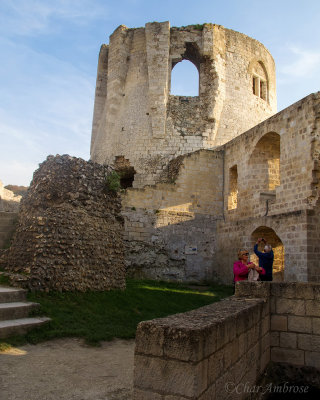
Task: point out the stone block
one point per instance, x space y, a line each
292 290
149 339
309 342
209 394
313 308
275 339
239 369
288 340
264 360
228 355
189 345
143 395
316 326
279 323
216 366
252 289
171 397
265 342
273 305
312 359
170 376
299 324
290 306
265 325
222 386
242 343
290 356
252 357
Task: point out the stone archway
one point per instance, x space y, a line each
273 239
264 163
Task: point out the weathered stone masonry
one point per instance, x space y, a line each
195 355
275 196
136 117
206 178
70 231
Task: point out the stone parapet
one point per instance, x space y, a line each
207 353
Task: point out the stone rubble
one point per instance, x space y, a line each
70 231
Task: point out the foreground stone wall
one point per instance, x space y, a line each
204 354
69 235
295 320
195 354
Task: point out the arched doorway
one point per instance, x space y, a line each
278 249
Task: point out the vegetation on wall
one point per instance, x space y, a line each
113 182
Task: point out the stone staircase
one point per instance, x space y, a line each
14 311
7 226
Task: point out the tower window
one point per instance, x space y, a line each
259 87
259 80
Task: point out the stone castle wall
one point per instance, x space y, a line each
271 174
136 117
170 228
70 231
212 352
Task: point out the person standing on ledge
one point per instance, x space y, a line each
265 259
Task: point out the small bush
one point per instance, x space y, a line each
113 182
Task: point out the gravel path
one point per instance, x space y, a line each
66 369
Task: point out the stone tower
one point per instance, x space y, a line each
139 127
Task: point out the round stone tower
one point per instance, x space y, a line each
139 127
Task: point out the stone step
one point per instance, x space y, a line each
20 326
11 295
16 310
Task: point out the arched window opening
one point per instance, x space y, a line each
277 246
264 163
259 80
233 188
185 79
125 170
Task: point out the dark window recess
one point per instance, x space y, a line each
125 170
127 177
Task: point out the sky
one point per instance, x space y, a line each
49 53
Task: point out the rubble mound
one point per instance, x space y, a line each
70 231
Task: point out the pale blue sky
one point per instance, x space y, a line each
49 51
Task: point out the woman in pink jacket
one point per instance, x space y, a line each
242 267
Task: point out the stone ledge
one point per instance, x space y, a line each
195 335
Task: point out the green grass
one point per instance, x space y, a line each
97 316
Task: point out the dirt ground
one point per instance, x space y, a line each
67 369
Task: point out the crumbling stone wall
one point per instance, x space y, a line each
69 235
170 228
136 117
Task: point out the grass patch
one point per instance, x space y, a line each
4 280
97 316
5 346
